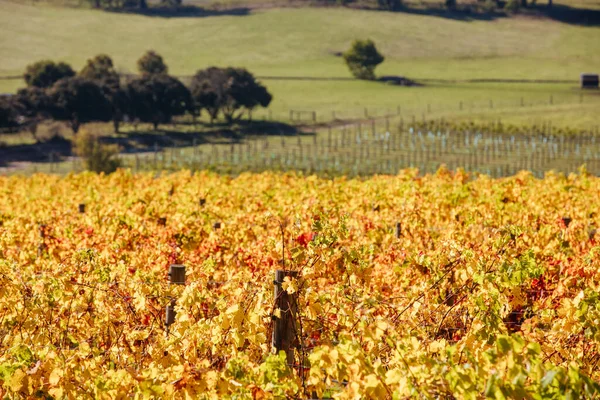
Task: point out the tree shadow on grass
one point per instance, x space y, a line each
464 13
571 15
41 152
169 136
467 13
140 141
182 12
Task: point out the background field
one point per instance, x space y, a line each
302 42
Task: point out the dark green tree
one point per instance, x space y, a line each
79 100
362 58
243 93
45 73
8 113
101 70
151 63
157 99
208 89
33 106
228 90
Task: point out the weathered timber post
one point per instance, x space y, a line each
177 274
82 208
284 327
176 277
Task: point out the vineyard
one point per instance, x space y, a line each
404 286
360 150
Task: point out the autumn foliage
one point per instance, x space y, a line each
488 291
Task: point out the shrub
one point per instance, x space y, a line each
45 73
362 58
151 63
97 157
450 4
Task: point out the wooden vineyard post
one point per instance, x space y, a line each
177 274
176 277
82 208
284 325
398 230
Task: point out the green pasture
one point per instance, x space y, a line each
303 42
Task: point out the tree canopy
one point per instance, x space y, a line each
157 98
228 90
8 114
45 73
152 63
78 100
101 70
362 58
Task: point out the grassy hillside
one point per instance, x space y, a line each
303 42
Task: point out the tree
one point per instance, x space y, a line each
157 98
8 113
45 73
152 63
100 69
243 92
208 90
78 100
362 58
228 90
33 106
